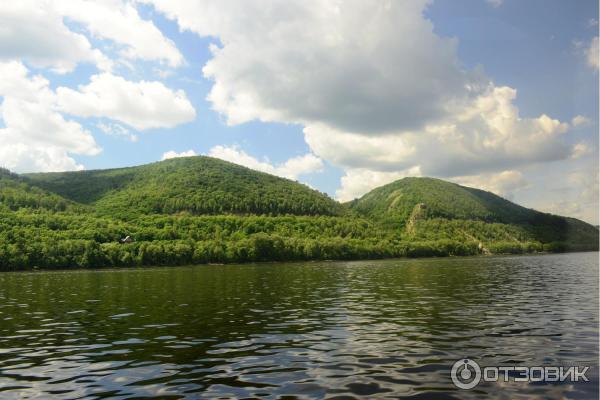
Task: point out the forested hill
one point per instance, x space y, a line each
196 185
203 210
428 206
16 193
397 200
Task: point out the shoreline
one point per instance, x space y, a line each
270 262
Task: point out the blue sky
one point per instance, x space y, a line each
343 96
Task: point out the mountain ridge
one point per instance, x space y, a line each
199 185
198 209
396 203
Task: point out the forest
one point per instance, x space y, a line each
201 210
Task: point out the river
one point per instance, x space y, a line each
374 329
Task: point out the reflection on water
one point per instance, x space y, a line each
315 330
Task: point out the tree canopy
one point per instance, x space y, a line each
203 210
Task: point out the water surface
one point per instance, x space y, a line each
376 329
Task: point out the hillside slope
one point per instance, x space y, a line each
199 210
428 207
443 199
196 185
17 193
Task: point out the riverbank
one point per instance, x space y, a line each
256 248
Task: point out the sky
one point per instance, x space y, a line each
343 96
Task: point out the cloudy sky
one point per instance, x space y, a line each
341 95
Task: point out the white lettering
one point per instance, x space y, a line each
522 378
581 374
493 377
552 374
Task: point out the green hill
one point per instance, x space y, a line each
428 207
396 201
195 185
16 192
200 210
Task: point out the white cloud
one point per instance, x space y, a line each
291 169
580 198
33 116
580 150
487 135
26 157
354 150
112 129
592 55
141 105
375 88
358 67
34 32
57 34
358 181
120 22
300 165
35 136
173 154
505 183
580 120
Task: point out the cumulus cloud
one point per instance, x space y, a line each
34 31
173 154
378 92
120 22
580 120
36 132
113 129
141 105
591 53
291 169
580 150
504 183
356 66
580 198
358 181
487 135
35 136
33 116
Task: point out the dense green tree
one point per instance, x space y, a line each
201 210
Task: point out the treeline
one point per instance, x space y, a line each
258 247
556 234
535 247
44 239
77 253
42 225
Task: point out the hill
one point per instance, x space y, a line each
397 200
423 207
200 210
195 185
16 192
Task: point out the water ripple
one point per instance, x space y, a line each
385 329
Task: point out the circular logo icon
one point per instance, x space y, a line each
466 374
